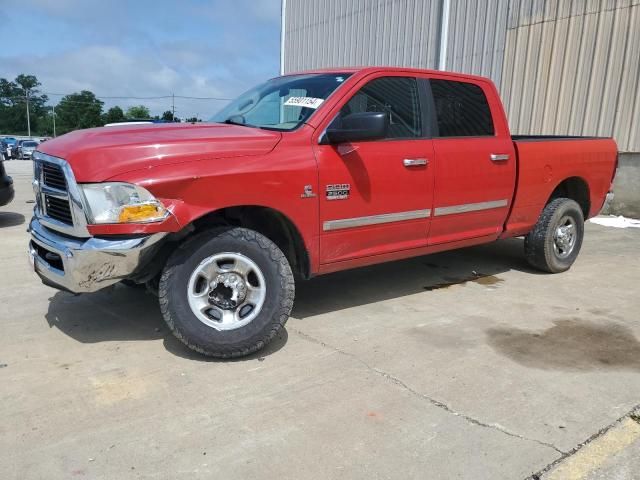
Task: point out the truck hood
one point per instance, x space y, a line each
98 154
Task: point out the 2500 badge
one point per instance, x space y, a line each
338 191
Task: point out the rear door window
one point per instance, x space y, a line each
462 109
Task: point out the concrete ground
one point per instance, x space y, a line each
466 364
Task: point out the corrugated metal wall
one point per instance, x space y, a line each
562 66
328 33
477 34
572 67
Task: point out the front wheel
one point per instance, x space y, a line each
226 293
554 243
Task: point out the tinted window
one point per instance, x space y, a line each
397 96
461 109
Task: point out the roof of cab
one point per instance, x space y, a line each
368 69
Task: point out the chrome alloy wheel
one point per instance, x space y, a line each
565 236
226 291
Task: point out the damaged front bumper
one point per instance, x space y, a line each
82 265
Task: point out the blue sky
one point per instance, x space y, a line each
200 48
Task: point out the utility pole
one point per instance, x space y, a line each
283 24
54 120
26 91
173 107
444 34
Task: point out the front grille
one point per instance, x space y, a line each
53 176
58 198
58 209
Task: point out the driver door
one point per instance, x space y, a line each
376 196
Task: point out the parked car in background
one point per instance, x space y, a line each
8 147
306 174
18 147
6 186
26 149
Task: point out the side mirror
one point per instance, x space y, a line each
357 127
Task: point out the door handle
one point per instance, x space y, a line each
499 157
415 162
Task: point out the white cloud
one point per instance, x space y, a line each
213 48
267 11
110 71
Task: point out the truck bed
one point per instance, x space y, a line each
547 165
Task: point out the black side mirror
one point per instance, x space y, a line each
357 127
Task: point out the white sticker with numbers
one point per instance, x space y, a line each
308 102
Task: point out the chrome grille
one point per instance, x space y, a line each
59 203
58 209
53 176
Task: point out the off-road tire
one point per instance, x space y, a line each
538 244
261 330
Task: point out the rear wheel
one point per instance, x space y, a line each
226 293
554 243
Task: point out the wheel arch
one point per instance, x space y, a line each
271 223
574 188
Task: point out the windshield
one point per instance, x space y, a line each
282 103
29 144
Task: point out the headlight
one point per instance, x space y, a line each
121 203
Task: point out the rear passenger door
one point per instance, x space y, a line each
474 161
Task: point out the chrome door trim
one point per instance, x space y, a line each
499 157
470 207
331 225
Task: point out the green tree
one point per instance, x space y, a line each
114 115
168 116
78 110
27 82
44 123
138 112
192 120
13 105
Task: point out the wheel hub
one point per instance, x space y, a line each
227 291
564 238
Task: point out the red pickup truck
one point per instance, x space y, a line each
303 175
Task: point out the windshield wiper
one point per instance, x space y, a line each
237 120
229 121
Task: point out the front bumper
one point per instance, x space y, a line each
82 265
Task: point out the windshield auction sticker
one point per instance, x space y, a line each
308 102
